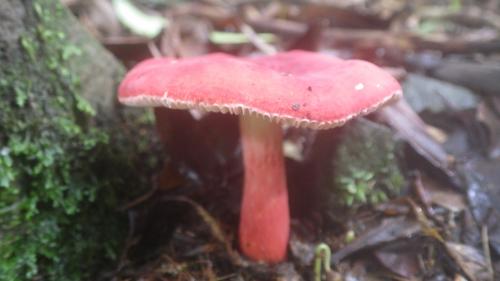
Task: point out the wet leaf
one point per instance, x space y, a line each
481 77
443 196
482 178
389 230
423 93
400 258
470 260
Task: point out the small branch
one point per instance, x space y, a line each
153 49
139 200
486 249
262 45
212 223
367 38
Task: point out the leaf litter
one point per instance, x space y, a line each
443 223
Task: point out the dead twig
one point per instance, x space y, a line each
486 249
253 37
391 40
214 227
155 52
139 199
427 227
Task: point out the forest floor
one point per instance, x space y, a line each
437 216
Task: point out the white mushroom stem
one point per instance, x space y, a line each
265 219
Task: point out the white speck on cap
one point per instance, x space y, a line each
359 87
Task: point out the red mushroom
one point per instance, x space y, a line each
297 88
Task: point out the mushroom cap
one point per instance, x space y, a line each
298 88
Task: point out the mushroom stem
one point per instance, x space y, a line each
265 219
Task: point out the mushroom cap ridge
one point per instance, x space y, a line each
297 88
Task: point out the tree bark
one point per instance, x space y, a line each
97 69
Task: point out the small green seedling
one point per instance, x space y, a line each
321 261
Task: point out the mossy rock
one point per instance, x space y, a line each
68 154
366 169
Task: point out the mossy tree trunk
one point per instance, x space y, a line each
34 32
68 153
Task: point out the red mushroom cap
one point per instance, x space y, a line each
297 88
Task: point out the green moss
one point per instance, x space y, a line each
62 170
366 168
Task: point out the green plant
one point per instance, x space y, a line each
359 187
322 259
366 168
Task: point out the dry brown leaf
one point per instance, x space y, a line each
470 260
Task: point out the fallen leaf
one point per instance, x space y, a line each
389 230
138 22
400 258
470 260
443 196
